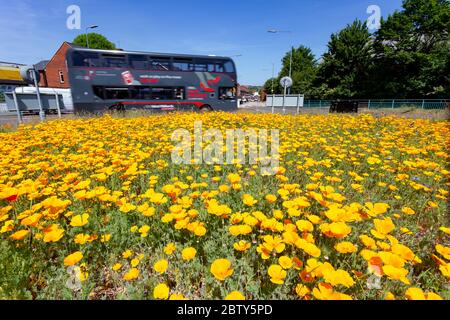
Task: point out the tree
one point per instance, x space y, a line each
96 41
304 69
412 51
272 83
344 70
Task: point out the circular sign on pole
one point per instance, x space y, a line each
286 82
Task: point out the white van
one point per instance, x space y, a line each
65 93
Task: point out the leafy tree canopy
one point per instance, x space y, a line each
345 66
304 69
96 41
408 57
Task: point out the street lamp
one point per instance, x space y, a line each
278 31
273 74
87 36
292 49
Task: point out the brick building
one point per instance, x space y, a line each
243 90
54 72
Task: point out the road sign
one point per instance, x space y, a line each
286 82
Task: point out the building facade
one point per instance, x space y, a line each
53 73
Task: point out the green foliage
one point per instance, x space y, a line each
254 89
344 71
303 71
412 51
272 86
96 41
408 57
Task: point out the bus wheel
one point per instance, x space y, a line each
205 108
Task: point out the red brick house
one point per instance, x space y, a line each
54 72
243 90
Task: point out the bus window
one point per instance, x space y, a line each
229 67
145 93
114 61
227 93
85 59
219 67
116 93
179 93
139 62
167 93
99 91
160 64
201 66
108 93
182 64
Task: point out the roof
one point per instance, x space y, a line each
120 51
10 64
41 65
73 45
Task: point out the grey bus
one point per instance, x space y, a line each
121 80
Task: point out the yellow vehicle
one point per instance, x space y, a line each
10 75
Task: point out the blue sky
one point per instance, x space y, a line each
31 31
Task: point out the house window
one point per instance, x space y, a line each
61 77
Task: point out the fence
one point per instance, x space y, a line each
428 104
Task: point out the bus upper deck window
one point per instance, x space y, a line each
219 67
160 64
182 65
201 67
139 62
114 61
229 67
85 59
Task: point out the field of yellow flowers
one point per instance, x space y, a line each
93 208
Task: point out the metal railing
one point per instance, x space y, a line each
428 104
3 107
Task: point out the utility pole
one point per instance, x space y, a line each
292 49
273 74
87 35
290 68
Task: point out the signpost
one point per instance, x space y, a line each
30 75
286 82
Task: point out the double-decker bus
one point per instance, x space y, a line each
103 79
